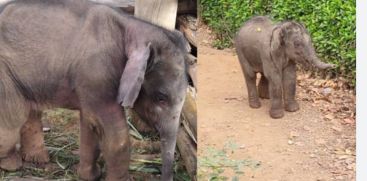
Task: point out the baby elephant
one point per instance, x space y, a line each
273 50
89 57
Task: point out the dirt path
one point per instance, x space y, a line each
296 147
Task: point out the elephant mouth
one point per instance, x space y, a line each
304 62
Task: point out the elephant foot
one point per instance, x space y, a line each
37 156
12 162
292 106
89 173
254 103
276 113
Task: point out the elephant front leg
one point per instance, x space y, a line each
168 136
275 90
89 148
32 140
289 88
115 142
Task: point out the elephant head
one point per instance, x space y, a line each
293 40
157 88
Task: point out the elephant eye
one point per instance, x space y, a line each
161 98
297 43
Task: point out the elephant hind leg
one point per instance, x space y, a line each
12 162
250 78
13 113
32 141
9 158
253 97
263 88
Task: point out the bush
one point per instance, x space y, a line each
332 24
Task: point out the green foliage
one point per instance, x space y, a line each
332 24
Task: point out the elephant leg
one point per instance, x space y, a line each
12 162
10 159
263 87
289 88
275 90
89 148
253 98
32 141
13 114
114 139
250 78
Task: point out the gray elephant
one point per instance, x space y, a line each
273 50
89 57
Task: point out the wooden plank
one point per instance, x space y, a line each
159 12
188 26
188 152
189 112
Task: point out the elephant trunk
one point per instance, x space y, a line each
168 136
311 57
321 65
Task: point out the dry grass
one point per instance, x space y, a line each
62 142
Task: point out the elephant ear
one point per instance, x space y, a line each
277 39
191 61
180 40
133 76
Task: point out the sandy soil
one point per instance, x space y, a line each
296 147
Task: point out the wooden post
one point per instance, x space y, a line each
159 12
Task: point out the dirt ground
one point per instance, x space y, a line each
302 146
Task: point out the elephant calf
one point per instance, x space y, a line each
273 50
89 57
